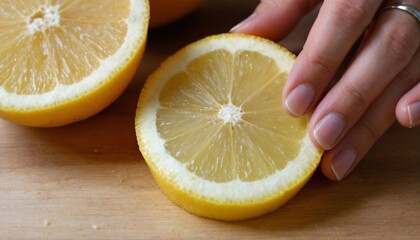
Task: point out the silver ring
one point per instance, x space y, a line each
404 7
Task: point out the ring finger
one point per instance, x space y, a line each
339 161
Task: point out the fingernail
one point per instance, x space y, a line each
242 24
342 163
299 99
413 111
328 130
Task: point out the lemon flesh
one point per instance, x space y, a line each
58 58
216 116
212 129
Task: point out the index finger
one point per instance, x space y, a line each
273 19
339 25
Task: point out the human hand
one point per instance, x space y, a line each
381 83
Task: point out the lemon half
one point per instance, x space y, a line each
212 129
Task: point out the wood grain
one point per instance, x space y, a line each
88 180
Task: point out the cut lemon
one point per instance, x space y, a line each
63 61
214 134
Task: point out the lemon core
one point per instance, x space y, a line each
44 18
230 113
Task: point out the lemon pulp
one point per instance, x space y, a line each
212 129
63 61
224 119
38 53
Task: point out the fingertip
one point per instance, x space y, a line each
407 110
299 100
326 166
413 111
336 165
402 115
408 115
243 26
274 19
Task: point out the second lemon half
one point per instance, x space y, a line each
63 61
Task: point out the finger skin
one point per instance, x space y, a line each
375 122
387 50
411 98
337 28
339 25
274 19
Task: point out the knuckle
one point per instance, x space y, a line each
356 96
370 129
300 5
356 13
399 42
407 78
404 80
271 5
400 81
323 63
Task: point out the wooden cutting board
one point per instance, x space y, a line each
89 181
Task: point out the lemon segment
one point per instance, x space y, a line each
212 129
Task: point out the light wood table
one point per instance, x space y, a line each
88 180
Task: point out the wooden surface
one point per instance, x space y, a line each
89 181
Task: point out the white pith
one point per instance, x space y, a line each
177 173
108 66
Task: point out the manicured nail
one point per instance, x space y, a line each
413 111
343 162
328 130
242 24
299 99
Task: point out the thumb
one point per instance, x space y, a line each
274 19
